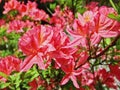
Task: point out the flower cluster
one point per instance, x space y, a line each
77 46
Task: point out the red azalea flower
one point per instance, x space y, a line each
70 74
115 70
36 83
87 79
83 56
106 78
23 9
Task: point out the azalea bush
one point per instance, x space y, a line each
59 45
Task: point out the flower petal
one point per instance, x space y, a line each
65 79
74 80
108 34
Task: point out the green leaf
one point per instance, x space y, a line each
15 81
108 41
52 6
118 44
13 13
113 16
31 74
4 85
3 75
69 3
61 2
2 31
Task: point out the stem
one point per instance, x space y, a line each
48 9
113 5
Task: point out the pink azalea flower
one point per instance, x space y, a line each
31 6
82 29
29 24
38 15
36 44
27 9
92 6
62 18
23 9
93 26
87 17
8 65
11 5
86 77
16 25
102 22
59 22
62 51
104 10
104 26
2 22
